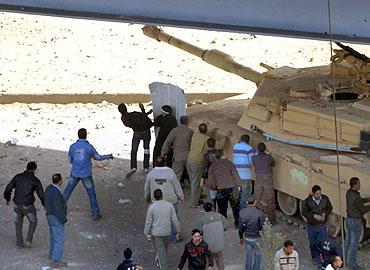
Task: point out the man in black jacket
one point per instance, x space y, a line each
25 185
128 263
56 215
316 208
140 124
250 224
196 252
355 211
165 122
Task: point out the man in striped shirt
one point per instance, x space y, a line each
242 159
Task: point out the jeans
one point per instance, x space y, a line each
252 255
22 211
161 244
57 237
195 173
136 138
89 186
354 227
223 197
246 192
314 233
173 229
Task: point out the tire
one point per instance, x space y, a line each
287 203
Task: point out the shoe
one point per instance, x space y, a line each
146 170
157 263
27 244
20 246
130 173
98 217
59 264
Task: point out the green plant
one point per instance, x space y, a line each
269 243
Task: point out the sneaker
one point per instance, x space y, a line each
27 244
96 218
157 263
146 170
130 173
58 264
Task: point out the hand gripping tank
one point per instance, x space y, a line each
293 111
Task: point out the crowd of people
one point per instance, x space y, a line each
215 183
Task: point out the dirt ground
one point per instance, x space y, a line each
45 132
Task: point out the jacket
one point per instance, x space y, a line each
355 204
196 256
208 159
242 159
165 179
55 203
165 124
286 262
160 215
25 185
310 208
328 247
222 175
213 225
180 140
128 264
80 154
138 121
263 163
251 220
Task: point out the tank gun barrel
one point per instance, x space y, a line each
213 57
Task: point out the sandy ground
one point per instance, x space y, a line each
58 55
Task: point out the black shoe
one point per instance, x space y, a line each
58 264
96 218
130 173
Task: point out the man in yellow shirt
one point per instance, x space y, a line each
194 164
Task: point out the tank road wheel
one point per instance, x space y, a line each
300 211
335 219
287 204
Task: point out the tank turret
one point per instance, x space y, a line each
296 106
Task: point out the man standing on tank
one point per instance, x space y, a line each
140 123
355 211
264 186
316 208
165 122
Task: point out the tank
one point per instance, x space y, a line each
293 112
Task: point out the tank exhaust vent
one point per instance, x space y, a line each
345 96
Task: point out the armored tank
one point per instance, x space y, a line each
294 110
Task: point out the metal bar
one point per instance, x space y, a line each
291 18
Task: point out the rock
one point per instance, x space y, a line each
125 201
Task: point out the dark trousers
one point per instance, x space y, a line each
315 233
136 138
223 197
21 212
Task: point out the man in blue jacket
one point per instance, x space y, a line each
56 215
80 155
328 247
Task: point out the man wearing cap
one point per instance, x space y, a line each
165 122
180 140
140 123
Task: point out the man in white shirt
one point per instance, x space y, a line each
336 263
165 179
286 258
